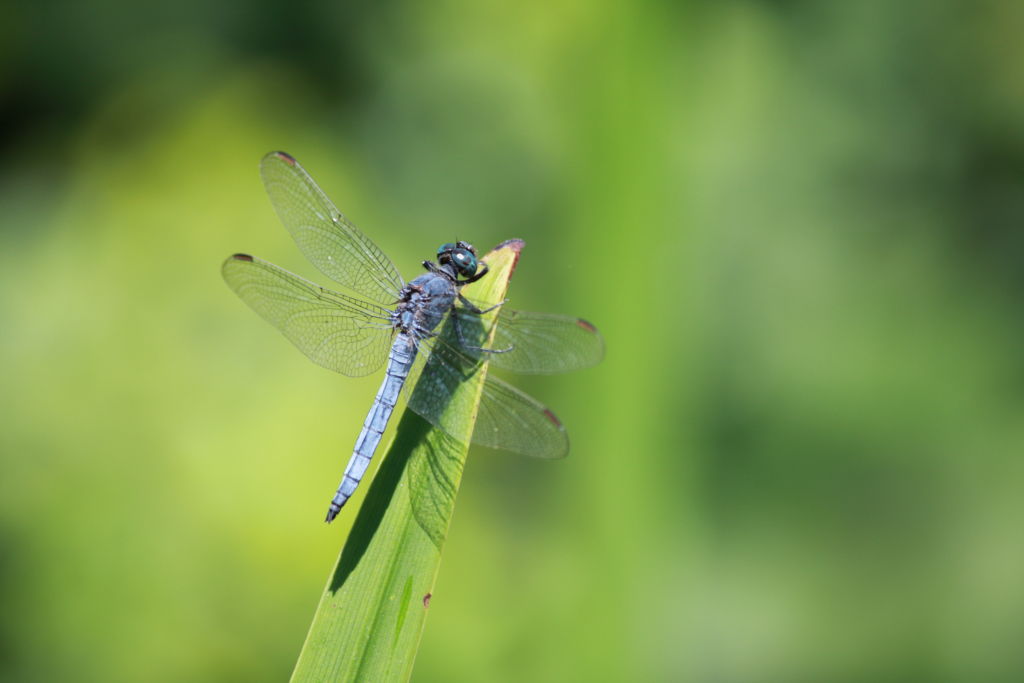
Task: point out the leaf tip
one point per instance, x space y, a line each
515 246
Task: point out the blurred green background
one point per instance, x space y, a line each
798 224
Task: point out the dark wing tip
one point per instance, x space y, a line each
285 157
553 418
242 257
426 600
597 339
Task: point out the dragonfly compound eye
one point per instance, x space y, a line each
444 252
465 262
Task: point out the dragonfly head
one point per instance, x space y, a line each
461 256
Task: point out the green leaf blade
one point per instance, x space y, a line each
371 616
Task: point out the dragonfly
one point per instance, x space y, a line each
427 332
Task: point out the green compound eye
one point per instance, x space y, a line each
465 262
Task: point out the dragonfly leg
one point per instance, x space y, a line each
465 343
434 268
484 270
473 308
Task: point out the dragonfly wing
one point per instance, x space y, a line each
506 418
336 331
513 421
324 235
540 343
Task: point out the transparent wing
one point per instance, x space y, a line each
540 343
513 421
506 418
324 235
339 332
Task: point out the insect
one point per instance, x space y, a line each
380 318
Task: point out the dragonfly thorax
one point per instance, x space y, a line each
423 304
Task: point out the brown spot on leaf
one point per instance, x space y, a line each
426 601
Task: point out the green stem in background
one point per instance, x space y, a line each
371 616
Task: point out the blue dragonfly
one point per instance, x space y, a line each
382 319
